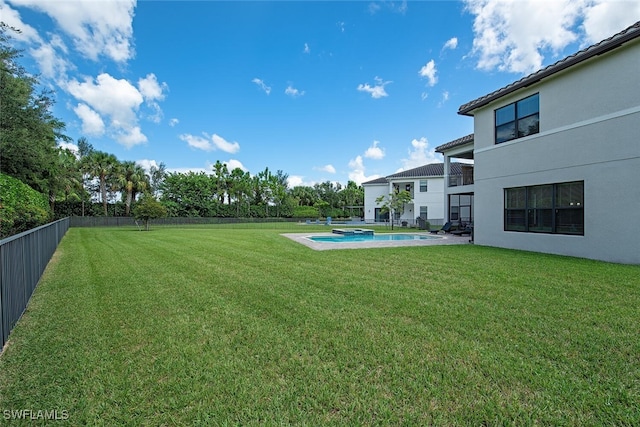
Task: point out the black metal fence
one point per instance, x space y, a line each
23 258
270 223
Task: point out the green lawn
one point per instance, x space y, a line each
241 327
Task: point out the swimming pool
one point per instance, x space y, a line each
354 238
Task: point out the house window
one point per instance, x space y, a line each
424 213
423 186
551 208
519 119
461 207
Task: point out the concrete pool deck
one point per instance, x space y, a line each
441 239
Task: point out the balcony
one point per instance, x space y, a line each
465 178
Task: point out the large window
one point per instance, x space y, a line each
461 207
551 208
519 119
423 186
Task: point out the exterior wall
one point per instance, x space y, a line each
371 193
589 131
434 199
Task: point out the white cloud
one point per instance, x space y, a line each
376 91
514 36
262 85
71 147
197 142
374 152
452 43
51 63
429 71
306 49
150 89
445 98
221 144
130 136
48 55
116 99
92 123
97 28
293 92
207 143
146 164
341 25
173 122
326 168
357 172
393 6
604 18
295 181
12 18
510 35
419 154
233 163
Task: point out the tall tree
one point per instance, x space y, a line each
239 187
28 131
279 185
102 166
131 179
156 178
68 180
220 179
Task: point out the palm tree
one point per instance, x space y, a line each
131 179
102 165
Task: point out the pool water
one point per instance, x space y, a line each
353 238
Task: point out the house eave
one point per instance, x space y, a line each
605 46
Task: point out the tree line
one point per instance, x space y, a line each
91 182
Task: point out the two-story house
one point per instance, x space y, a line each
425 184
557 156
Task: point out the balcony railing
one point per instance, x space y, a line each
466 178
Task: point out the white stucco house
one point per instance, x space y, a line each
557 157
424 183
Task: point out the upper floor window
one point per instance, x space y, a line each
423 186
519 119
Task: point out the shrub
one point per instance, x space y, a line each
21 207
306 212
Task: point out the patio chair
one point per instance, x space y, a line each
467 229
446 228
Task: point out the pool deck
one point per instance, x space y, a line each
442 239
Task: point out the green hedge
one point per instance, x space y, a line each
21 207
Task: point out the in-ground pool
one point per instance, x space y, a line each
354 238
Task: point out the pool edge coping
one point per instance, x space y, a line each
443 239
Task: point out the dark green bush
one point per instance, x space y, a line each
310 212
21 207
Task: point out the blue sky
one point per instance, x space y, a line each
323 91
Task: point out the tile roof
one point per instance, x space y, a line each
433 169
376 181
455 143
604 46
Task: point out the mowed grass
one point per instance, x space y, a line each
182 326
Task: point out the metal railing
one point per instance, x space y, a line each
23 259
466 178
